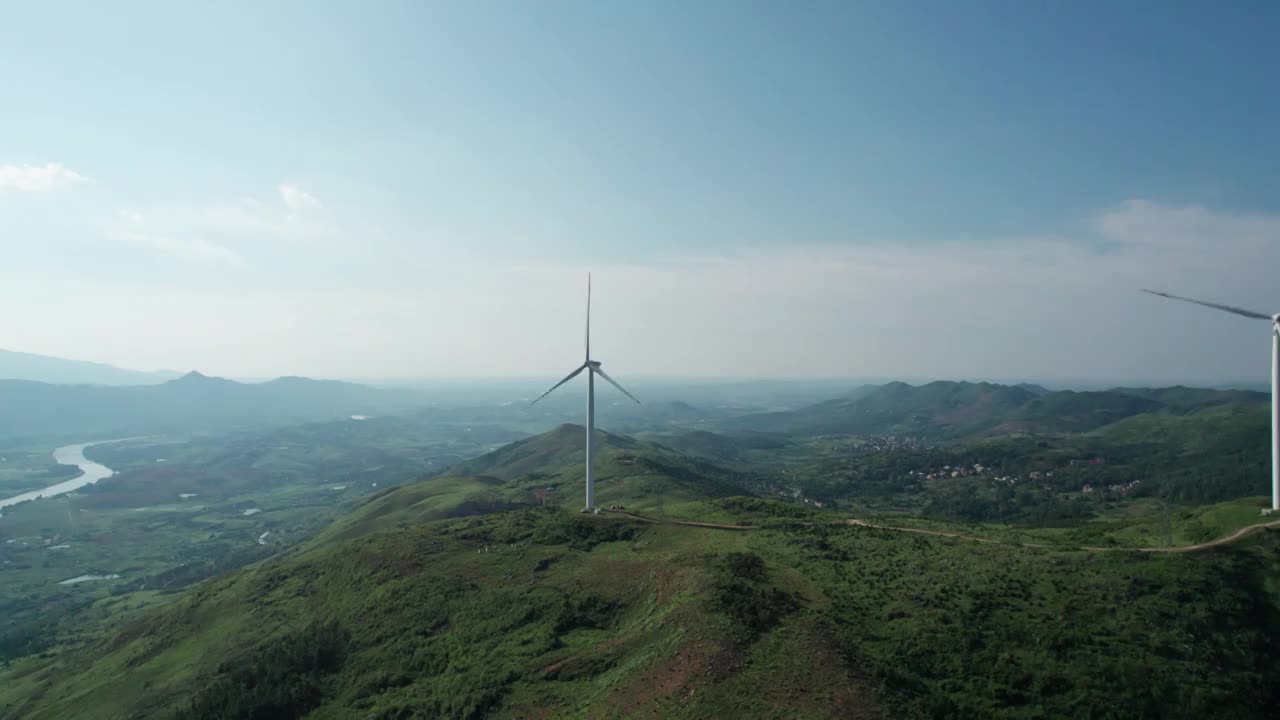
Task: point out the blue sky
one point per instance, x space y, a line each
416 189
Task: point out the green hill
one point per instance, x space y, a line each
1185 398
1068 411
543 613
702 443
957 410
941 409
1210 455
464 596
627 471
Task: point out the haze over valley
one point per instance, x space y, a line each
285 478
667 360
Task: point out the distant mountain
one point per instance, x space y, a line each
938 408
723 448
701 443
951 410
1188 398
1069 411
42 368
1032 387
193 402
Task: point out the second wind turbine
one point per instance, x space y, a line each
593 368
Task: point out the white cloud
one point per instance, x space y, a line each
1030 307
230 232
38 178
192 249
1039 307
299 199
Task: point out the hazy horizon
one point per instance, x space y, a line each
901 190
667 381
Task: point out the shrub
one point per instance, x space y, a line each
742 593
281 679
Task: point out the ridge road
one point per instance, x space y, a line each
1224 540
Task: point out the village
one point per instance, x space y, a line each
948 472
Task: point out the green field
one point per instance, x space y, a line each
24 468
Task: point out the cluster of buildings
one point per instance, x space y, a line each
891 442
1114 489
947 472
1090 461
950 471
873 443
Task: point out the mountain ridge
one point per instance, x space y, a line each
949 410
192 402
17 365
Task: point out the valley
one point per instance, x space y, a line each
639 361
746 551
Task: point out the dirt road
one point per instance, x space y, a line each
1225 540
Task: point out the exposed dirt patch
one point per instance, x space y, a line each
570 665
830 687
666 581
131 632
679 676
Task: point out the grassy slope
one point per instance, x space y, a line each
516 615
540 613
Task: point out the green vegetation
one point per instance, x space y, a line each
511 613
975 630
284 677
957 410
742 593
992 569
213 505
1209 450
24 468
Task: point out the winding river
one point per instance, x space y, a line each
90 473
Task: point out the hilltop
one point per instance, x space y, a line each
548 469
462 596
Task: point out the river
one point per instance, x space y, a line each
90 473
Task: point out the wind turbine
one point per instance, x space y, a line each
593 368
1275 381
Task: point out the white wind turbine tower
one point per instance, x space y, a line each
593 368
1275 381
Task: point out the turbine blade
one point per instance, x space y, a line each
1216 306
566 379
588 317
602 374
